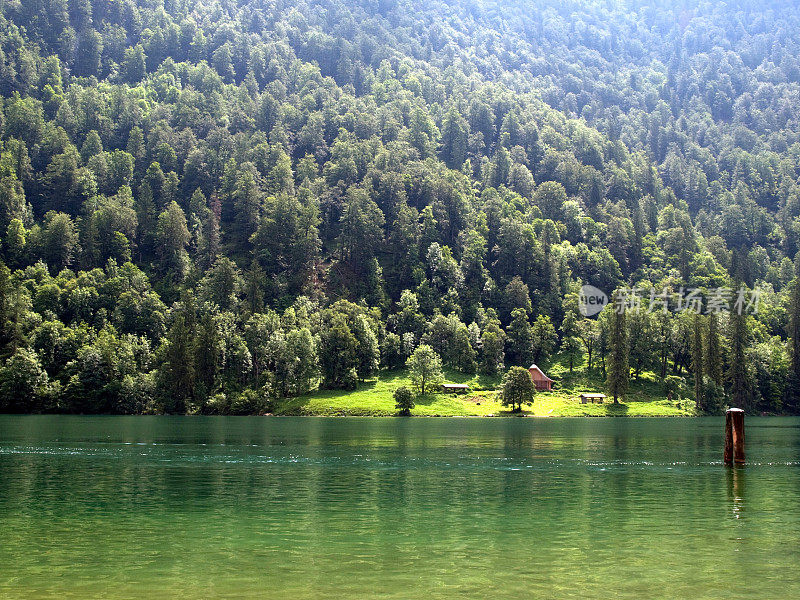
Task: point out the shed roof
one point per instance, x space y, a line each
457 386
535 368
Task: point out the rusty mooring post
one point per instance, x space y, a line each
734 436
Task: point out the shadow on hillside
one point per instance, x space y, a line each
476 381
291 406
425 400
368 384
390 377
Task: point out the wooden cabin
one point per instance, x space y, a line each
542 382
455 388
592 397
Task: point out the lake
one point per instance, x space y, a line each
302 508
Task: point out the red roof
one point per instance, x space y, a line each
540 372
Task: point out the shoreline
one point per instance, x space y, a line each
492 416
378 416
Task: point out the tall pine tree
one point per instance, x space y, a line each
618 366
793 389
713 361
738 378
697 364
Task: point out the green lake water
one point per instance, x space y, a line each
302 508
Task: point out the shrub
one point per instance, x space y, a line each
404 400
251 402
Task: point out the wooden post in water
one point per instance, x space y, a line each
734 436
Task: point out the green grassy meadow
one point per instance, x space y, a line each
646 398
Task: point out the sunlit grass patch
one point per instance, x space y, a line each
374 398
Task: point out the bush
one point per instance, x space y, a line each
248 402
217 404
136 394
674 385
251 402
404 400
350 380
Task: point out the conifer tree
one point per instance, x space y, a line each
520 338
134 66
5 297
463 353
570 344
793 387
738 378
206 355
713 360
178 371
618 369
492 343
697 364
338 355
544 338
454 139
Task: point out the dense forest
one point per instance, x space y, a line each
209 206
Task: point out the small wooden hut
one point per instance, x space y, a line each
592 397
455 388
542 382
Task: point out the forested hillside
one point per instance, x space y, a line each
210 206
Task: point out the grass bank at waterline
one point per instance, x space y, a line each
374 398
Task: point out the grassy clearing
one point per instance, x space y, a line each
374 398
646 396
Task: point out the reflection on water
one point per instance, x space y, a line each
169 507
736 477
